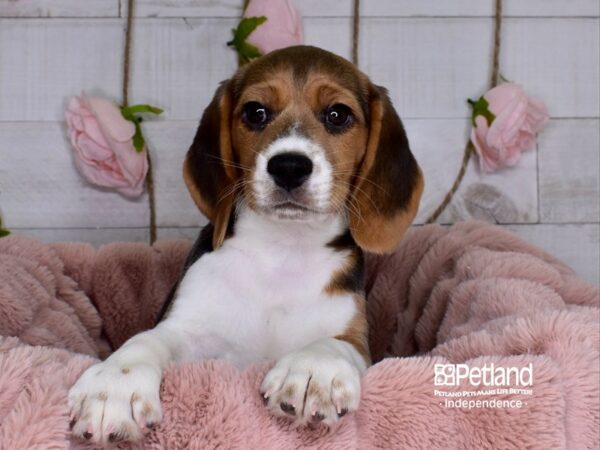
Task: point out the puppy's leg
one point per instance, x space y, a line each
118 399
319 383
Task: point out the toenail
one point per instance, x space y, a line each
150 425
317 417
87 435
114 437
343 412
287 408
72 423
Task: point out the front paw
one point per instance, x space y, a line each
309 387
113 403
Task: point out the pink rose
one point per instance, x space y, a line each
103 145
506 123
283 27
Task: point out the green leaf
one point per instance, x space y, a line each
248 51
480 108
129 113
3 231
138 109
246 26
138 138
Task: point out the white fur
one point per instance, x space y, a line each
318 185
260 296
330 367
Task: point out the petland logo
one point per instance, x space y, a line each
488 375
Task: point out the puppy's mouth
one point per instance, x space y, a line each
297 204
291 209
293 206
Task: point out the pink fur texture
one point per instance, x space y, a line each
472 293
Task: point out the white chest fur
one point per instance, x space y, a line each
262 294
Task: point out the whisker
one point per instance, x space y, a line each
230 163
237 185
336 172
359 189
346 205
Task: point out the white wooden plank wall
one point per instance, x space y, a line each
431 55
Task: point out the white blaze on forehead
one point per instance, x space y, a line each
318 186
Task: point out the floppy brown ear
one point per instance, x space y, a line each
389 184
208 170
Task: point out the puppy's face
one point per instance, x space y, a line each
300 138
299 134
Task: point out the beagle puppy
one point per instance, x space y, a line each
301 164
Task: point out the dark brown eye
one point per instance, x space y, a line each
337 118
255 115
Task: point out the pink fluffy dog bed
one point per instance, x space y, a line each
472 293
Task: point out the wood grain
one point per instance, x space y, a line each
44 62
95 236
382 8
481 8
190 234
59 8
169 141
508 196
430 66
40 187
307 8
578 246
569 167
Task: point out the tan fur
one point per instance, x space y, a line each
219 210
147 409
335 286
356 333
193 189
314 390
289 391
274 90
376 223
126 431
382 233
225 204
337 384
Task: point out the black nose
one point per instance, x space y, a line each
289 170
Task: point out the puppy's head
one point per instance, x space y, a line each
300 134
